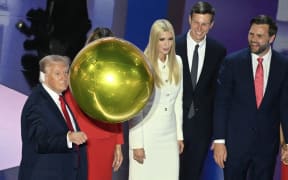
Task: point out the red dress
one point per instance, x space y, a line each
102 138
284 172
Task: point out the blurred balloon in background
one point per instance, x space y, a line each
111 80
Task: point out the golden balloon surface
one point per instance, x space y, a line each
111 80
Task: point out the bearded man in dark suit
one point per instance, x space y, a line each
251 102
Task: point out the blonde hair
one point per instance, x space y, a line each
152 52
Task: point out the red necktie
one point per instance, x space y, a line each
259 82
68 122
65 112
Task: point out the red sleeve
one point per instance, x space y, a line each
284 172
119 138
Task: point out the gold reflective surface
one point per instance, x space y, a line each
111 80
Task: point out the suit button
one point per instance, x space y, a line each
165 109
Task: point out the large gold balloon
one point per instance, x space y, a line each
111 80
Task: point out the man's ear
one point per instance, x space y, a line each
42 77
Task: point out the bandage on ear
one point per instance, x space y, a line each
42 76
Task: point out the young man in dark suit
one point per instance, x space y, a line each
199 79
251 101
50 148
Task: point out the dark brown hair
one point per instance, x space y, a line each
99 32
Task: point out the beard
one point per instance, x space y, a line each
260 49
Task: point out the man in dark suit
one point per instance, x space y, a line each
198 96
50 149
251 101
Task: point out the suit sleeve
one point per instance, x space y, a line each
38 133
136 138
222 100
119 136
136 130
284 106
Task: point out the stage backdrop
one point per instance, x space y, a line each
129 19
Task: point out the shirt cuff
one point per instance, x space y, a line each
69 143
220 141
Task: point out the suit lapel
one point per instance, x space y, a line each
275 68
248 76
52 104
207 64
74 119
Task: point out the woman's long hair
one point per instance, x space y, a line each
152 52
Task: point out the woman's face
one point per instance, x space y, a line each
165 43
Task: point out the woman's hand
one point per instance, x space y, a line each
181 146
139 155
118 158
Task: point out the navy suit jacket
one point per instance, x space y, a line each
203 95
45 154
245 128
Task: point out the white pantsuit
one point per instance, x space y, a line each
158 129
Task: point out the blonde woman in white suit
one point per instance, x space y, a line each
157 139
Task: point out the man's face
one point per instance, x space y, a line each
200 24
56 77
259 39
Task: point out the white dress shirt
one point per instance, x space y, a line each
201 53
266 65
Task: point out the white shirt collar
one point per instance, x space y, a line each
53 94
266 57
193 42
